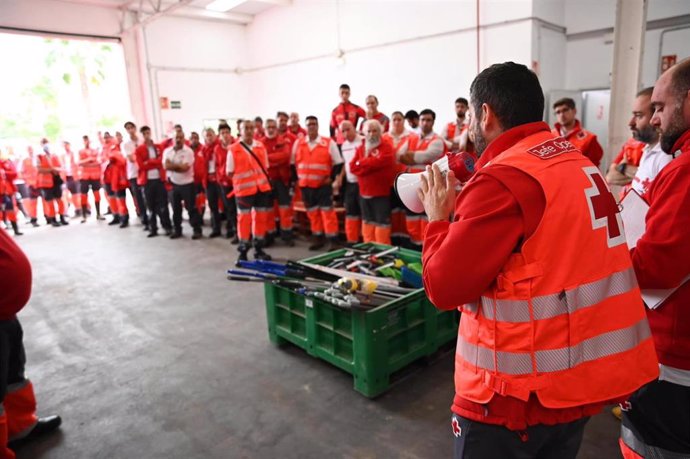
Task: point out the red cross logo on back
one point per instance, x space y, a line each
603 207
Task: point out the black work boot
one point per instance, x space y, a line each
115 221
125 222
15 227
241 257
319 243
63 220
43 426
34 222
84 213
53 222
98 212
287 238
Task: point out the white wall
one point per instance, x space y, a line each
193 62
589 59
396 59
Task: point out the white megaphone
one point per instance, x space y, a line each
407 184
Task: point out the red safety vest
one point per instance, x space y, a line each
564 318
410 138
422 145
90 171
313 166
45 179
248 178
452 127
29 172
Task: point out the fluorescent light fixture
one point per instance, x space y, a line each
222 6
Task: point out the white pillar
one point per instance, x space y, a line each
628 46
137 77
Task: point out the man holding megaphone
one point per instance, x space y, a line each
535 258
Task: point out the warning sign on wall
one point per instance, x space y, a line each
668 61
175 104
165 103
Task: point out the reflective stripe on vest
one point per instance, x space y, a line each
513 363
644 450
316 167
567 302
255 184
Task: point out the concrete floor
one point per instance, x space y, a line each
147 351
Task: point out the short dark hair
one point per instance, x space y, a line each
645 92
194 133
144 129
177 126
397 112
129 123
411 114
680 78
222 126
345 86
310 118
461 100
279 114
428 111
258 119
85 137
512 91
567 101
374 97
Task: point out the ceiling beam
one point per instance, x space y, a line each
159 14
276 2
194 12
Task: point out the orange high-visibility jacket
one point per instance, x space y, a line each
564 318
29 172
45 179
422 145
248 178
408 138
313 166
90 171
452 127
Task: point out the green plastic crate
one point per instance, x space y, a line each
371 344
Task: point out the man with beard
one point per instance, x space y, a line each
374 166
553 324
656 418
636 167
178 161
569 127
279 149
429 148
452 132
317 162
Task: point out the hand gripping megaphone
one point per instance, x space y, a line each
407 184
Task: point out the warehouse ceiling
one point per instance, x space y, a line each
235 11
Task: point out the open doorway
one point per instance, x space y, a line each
60 88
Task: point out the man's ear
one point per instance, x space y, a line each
489 119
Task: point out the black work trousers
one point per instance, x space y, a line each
187 194
157 204
478 440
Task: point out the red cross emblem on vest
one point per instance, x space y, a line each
457 430
603 207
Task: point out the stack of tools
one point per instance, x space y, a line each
359 279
